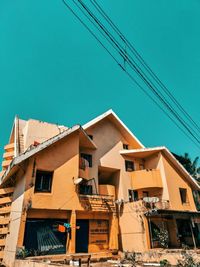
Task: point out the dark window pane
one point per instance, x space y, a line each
183 195
125 146
87 158
43 181
129 165
85 189
133 195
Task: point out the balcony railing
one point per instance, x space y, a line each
159 205
97 202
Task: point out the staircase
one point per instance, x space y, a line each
5 208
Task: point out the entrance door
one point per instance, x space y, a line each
82 236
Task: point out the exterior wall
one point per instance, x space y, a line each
15 221
109 142
156 162
146 179
174 182
63 202
38 131
63 159
134 228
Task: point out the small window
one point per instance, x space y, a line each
129 165
133 195
145 194
141 166
43 181
183 195
125 146
85 189
87 158
91 136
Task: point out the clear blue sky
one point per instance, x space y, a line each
51 68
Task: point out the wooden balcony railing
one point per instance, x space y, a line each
97 202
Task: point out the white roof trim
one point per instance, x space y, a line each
104 115
159 148
170 155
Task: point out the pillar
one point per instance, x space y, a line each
114 230
72 241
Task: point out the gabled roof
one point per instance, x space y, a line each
110 114
146 152
35 149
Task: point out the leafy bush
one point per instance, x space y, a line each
164 263
163 237
129 258
187 261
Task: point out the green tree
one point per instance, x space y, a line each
190 165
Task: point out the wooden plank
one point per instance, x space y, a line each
3 231
5 210
8 190
2 242
4 221
5 200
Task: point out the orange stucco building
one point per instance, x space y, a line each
91 189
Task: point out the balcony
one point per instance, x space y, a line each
9 147
5 164
146 179
100 202
161 204
8 155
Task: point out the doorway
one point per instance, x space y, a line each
82 236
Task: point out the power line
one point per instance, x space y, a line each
132 78
138 70
142 61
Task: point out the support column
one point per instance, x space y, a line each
147 232
193 237
114 230
72 241
150 231
22 230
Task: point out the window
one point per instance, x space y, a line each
129 165
87 158
85 189
183 195
125 146
145 194
141 166
43 181
132 195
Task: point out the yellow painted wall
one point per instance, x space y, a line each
63 159
175 181
109 142
38 131
146 179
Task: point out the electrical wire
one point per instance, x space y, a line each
138 70
132 78
142 61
